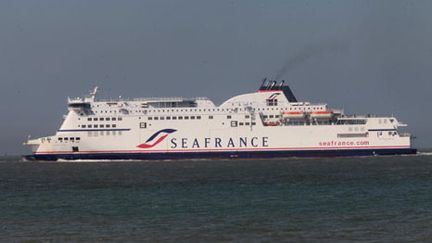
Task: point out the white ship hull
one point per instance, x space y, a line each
246 126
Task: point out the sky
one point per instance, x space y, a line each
362 56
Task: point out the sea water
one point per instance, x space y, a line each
370 199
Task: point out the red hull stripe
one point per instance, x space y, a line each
154 144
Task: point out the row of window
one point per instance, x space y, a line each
356 129
271 116
96 111
99 126
246 123
351 122
353 135
218 109
104 119
174 118
236 123
272 102
71 139
389 133
191 117
103 133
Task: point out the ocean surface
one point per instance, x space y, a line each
370 199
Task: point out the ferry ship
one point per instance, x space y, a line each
268 123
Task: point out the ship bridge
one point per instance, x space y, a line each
269 94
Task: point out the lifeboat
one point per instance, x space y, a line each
321 114
272 123
293 114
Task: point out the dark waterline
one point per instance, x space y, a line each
330 199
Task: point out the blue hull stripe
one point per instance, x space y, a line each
221 155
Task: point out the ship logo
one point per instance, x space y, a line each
156 138
273 96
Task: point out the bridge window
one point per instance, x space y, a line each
272 102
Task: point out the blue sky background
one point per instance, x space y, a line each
363 56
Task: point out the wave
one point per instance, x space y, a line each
94 160
424 153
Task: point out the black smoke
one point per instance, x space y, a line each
309 52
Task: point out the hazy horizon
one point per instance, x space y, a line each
362 56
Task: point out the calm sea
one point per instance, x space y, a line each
372 199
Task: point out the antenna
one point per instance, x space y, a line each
272 85
94 92
282 83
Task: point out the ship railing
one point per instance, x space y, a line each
75 100
358 116
307 104
153 99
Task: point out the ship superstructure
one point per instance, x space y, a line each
268 123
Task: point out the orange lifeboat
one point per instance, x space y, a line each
293 114
321 114
272 123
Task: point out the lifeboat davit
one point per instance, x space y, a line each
321 114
